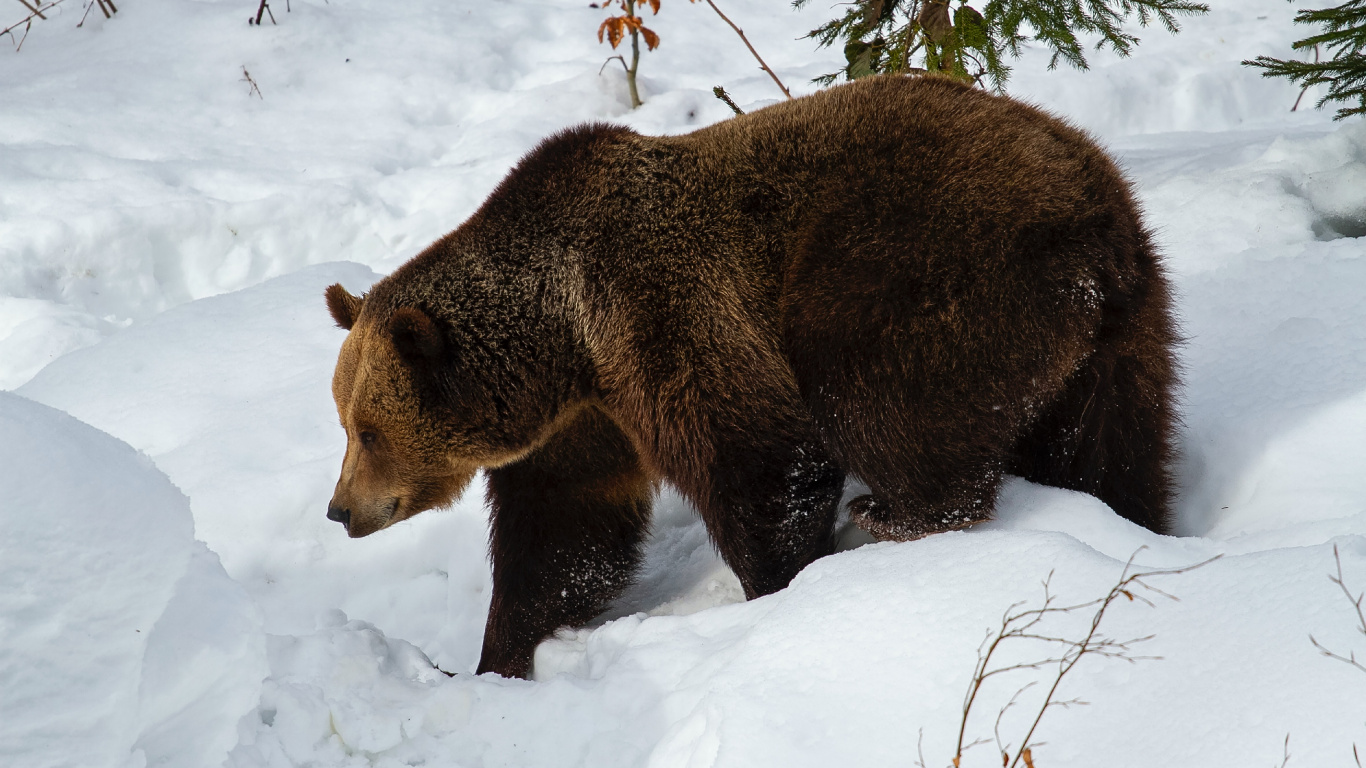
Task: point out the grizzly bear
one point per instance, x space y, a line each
904 280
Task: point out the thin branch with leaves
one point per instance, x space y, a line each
616 28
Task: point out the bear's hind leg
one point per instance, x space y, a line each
568 523
1111 432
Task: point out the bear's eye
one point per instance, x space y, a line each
368 438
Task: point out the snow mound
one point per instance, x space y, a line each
122 641
1259 233
244 403
241 418
865 651
1193 81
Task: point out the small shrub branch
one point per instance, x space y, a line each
721 94
36 10
616 28
753 52
248 79
1019 623
1356 600
263 8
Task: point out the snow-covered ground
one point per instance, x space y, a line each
165 236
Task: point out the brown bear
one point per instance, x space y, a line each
904 280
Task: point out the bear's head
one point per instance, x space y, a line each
429 399
399 458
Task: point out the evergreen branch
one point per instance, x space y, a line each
882 36
1345 25
1345 74
1057 22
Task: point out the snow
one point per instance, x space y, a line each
122 640
172 594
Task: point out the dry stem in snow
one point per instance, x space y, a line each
1356 601
1351 657
1026 624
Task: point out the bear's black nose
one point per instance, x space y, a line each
340 515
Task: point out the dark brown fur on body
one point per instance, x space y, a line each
904 280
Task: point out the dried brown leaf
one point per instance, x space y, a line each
613 28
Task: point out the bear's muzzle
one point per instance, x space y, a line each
338 514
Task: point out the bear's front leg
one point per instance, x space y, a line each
771 505
567 526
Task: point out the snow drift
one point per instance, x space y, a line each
122 641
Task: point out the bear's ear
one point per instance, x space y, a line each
344 307
415 336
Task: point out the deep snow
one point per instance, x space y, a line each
123 638
165 236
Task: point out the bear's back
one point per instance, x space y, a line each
923 148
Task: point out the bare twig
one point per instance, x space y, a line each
723 96
246 77
1001 746
1126 587
20 45
1356 601
263 8
32 10
618 57
1024 624
1305 89
1285 760
35 11
745 40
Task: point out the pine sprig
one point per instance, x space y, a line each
1344 36
1058 22
890 36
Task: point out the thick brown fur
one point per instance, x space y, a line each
903 279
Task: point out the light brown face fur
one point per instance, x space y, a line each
396 462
